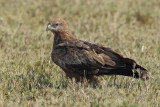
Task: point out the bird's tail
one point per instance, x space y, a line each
132 69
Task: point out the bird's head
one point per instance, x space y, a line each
57 25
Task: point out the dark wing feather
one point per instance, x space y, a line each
115 57
82 56
79 57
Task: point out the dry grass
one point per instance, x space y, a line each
29 78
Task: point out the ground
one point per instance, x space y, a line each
28 77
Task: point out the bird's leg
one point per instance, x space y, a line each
72 75
84 76
114 80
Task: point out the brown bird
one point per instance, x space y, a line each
79 59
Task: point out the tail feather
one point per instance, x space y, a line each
132 69
138 71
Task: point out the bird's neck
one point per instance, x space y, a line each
61 37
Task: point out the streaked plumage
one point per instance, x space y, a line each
81 59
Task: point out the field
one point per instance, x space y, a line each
29 78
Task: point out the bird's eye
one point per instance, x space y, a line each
56 24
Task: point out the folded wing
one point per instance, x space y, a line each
83 56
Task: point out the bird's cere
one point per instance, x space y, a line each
49 27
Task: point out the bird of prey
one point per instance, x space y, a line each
81 59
